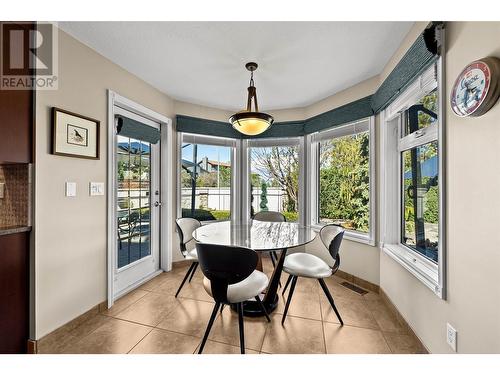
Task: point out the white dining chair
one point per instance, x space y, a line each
302 264
231 278
185 228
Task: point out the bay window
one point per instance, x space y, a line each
342 178
206 177
274 175
412 203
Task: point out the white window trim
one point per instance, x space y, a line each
312 142
270 142
235 161
429 273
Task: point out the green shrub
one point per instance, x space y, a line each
291 216
201 215
221 215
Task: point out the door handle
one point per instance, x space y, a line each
157 204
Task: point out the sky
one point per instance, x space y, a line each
212 152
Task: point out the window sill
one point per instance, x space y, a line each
351 235
424 270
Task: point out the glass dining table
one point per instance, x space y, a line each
261 236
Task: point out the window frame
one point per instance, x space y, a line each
313 141
235 144
246 169
429 273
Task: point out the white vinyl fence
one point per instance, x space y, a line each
219 199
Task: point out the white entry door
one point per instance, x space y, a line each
137 201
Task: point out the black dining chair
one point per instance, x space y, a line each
310 266
231 278
275 217
185 227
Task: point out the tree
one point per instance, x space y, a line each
263 197
224 176
280 167
344 180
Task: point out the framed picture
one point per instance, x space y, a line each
74 135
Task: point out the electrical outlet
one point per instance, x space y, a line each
451 336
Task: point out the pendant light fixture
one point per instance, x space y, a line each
250 122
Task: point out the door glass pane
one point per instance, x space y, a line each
134 192
274 180
206 182
421 200
344 181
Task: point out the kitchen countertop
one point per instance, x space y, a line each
14 229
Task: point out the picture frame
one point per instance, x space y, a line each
74 135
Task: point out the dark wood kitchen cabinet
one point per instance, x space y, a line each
16 115
14 298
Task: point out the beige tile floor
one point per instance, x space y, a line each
151 320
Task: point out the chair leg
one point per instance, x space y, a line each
222 307
209 327
185 278
292 288
286 285
242 328
194 270
330 299
257 298
271 255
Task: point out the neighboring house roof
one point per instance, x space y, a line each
190 165
220 163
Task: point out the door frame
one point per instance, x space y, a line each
166 190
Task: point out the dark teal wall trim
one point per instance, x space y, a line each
196 125
353 111
422 54
282 130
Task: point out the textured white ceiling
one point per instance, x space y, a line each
203 62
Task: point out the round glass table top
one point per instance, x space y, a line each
255 235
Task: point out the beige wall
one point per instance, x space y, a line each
473 183
70 238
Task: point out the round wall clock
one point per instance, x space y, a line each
477 88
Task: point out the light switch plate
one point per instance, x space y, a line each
96 188
2 190
71 189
